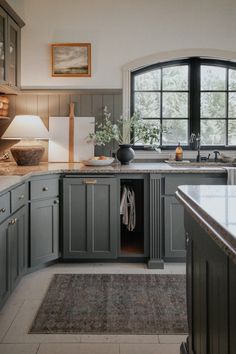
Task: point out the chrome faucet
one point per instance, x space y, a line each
198 140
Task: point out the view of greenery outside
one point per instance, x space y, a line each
162 95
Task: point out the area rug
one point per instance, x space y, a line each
113 304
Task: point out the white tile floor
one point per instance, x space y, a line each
18 313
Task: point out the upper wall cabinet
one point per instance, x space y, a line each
10 27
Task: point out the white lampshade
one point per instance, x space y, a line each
26 127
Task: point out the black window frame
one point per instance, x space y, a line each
194 89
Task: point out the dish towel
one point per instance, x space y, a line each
231 175
127 208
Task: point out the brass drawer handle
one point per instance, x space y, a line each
90 181
21 197
12 221
45 189
2 210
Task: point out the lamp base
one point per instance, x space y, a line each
29 155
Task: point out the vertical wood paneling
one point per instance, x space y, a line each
32 105
57 104
64 101
86 105
53 105
43 109
97 111
21 104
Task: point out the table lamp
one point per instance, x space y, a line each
28 129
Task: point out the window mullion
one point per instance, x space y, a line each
195 99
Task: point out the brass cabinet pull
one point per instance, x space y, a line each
21 197
56 201
2 210
45 189
15 220
12 221
90 181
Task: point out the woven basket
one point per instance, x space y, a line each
4 106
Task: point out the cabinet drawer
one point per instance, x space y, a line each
4 206
44 188
18 197
172 182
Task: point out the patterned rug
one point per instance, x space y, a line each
113 304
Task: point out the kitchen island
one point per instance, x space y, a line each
210 227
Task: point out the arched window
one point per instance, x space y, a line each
187 96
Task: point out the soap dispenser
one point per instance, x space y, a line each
179 153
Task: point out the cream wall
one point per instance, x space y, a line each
120 31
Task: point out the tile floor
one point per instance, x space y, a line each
18 313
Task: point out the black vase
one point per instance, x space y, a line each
125 154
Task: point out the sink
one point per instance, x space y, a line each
199 164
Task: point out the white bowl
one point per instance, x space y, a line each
105 162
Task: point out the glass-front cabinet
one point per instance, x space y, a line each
9 53
14 53
3 44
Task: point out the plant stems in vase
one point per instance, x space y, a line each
127 132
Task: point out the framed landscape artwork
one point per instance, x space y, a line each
71 59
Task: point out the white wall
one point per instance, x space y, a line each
120 31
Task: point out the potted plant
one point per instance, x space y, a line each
127 132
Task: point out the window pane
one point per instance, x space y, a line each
213 132
213 105
148 104
232 105
175 78
174 131
148 81
213 78
232 79
232 132
175 105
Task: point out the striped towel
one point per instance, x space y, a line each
231 175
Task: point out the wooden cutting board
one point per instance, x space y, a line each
59 143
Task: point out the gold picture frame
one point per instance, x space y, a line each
71 59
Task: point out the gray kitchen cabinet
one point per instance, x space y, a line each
44 220
174 234
13 252
10 33
211 291
166 215
90 217
44 231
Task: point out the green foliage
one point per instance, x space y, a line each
127 130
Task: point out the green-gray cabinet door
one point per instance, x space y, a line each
13 252
18 235
44 231
4 263
90 218
174 232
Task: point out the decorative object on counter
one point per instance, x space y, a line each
27 129
125 154
123 303
179 153
227 159
99 161
71 59
4 107
193 142
127 132
60 143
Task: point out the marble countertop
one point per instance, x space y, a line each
10 169
12 174
214 208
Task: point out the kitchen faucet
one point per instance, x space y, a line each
198 140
